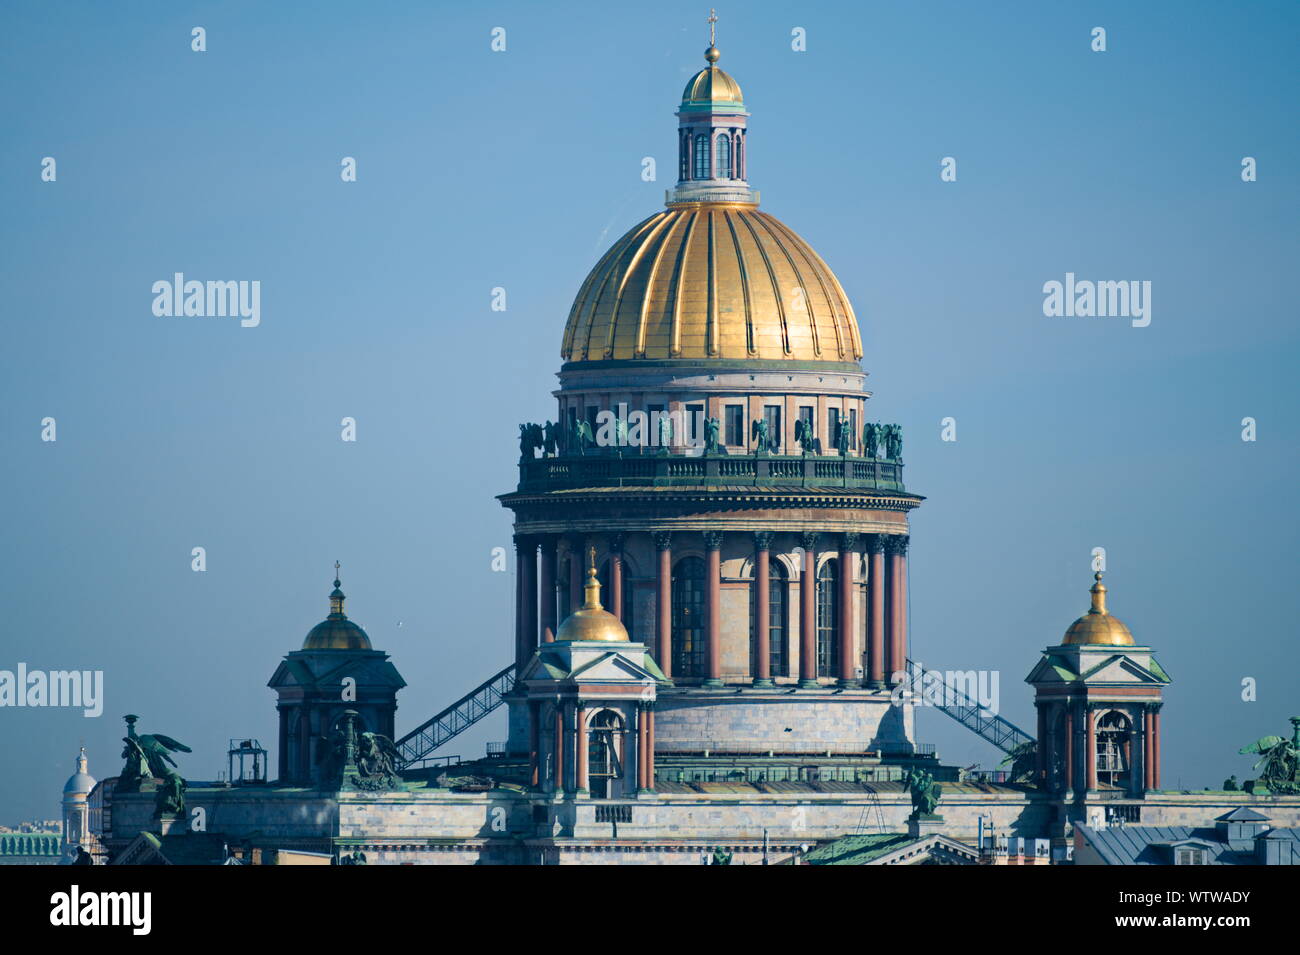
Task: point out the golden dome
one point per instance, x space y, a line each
711 85
592 623
1097 627
710 280
336 632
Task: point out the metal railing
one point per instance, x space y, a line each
1002 733
624 467
455 719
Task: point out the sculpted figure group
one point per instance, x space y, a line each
555 437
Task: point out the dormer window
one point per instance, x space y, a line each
1187 855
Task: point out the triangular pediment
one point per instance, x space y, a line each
612 667
1120 668
1051 669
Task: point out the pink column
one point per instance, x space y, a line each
1040 750
526 570
581 751
1155 749
713 612
896 642
547 594
1090 727
1069 748
847 560
808 613
558 768
663 603
642 738
1147 779
763 609
615 599
650 748
876 596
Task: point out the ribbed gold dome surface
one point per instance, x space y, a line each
1097 627
708 281
711 85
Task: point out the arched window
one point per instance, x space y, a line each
604 753
703 161
724 156
828 612
778 592
740 156
607 595
688 617
684 157
1113 755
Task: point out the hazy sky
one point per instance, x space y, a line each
517 169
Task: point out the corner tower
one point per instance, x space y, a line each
335 671
1098 694
711 442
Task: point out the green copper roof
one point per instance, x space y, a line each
858 850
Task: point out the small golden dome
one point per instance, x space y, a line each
1097 627
711 85
592 623
336 632
711 280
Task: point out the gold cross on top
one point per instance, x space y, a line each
713 21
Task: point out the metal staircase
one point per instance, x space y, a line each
455 719
1002 733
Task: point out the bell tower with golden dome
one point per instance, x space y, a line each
711 441
335 671
1098 696
589 698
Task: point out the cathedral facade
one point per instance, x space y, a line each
711 619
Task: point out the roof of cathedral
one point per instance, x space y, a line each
711 281
711 277
1097 627
336 632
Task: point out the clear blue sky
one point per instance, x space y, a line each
516 169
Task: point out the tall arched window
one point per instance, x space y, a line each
828 612
607 595
684 157
604 756
688 617
740 156
724 156
1113 755
703 159
778 592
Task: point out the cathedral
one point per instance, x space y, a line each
711 617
